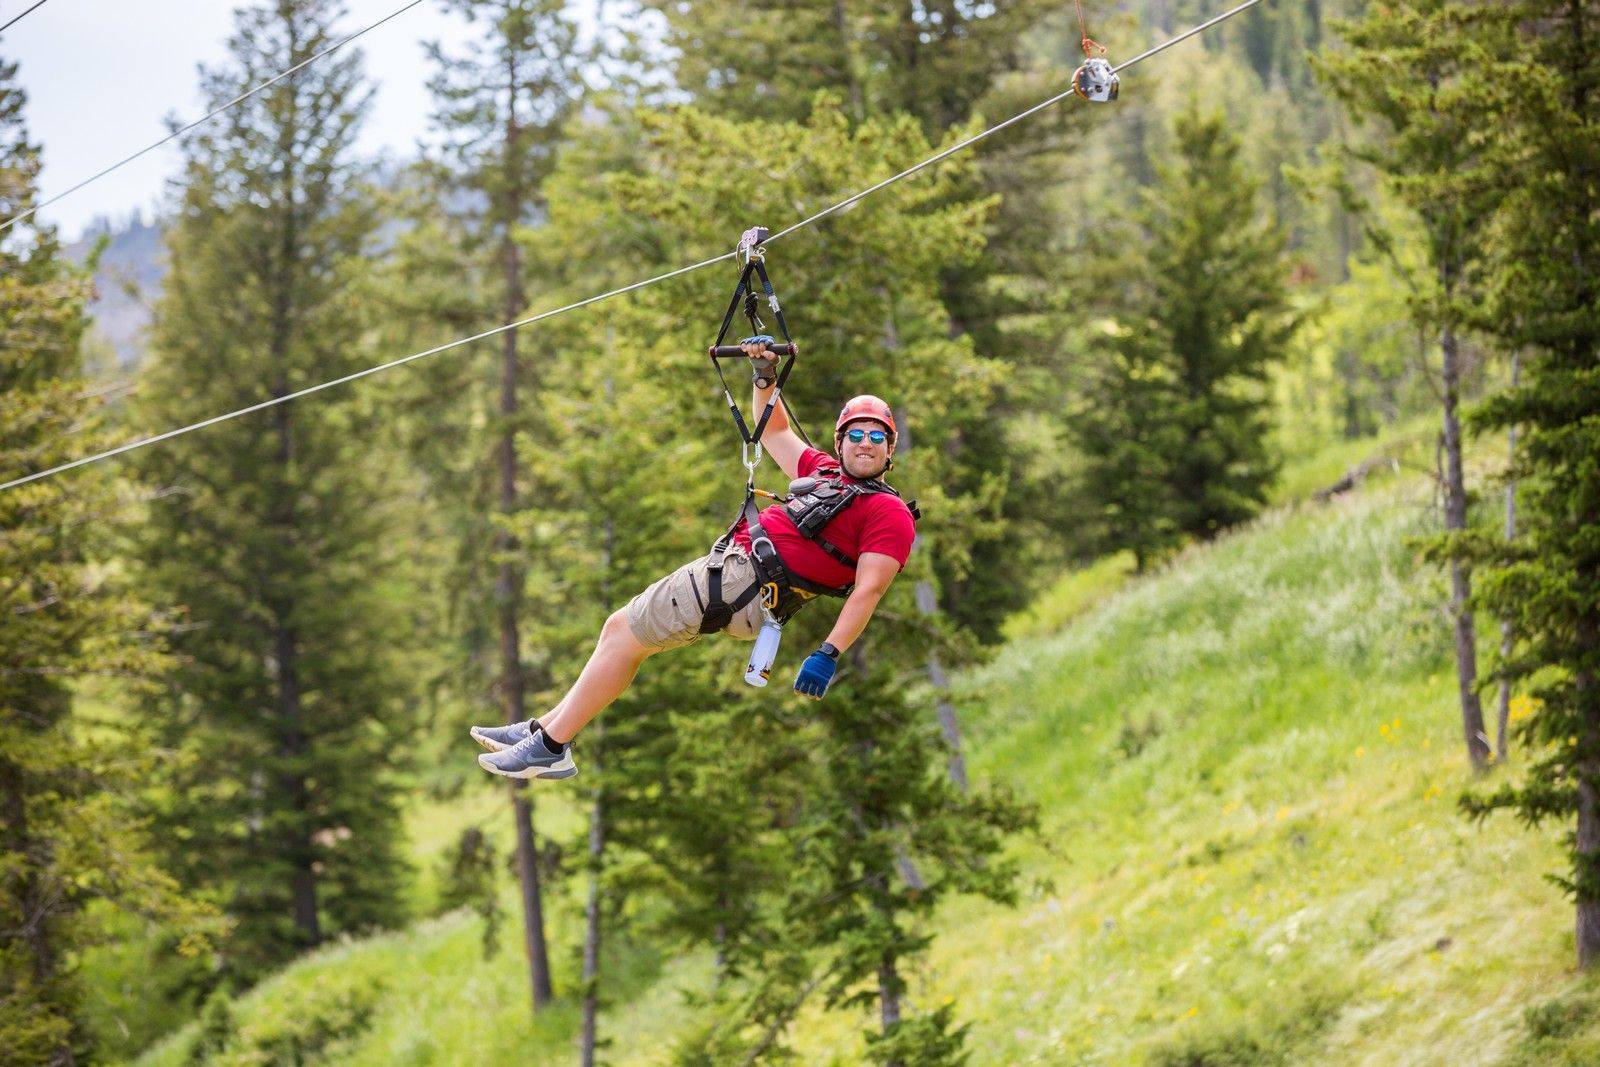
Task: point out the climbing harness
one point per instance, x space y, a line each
1095 79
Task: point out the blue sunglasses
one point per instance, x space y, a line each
877 437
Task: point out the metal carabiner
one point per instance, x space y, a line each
750 465
751 242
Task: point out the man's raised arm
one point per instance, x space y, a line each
779 439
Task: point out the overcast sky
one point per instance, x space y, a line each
102 74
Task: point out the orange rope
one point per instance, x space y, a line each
1089 46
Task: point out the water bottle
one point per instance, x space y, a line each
764 652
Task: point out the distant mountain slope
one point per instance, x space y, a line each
127 281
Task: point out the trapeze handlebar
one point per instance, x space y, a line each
730 351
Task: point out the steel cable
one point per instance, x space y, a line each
19 18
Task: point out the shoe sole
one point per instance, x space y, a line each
540 773
488 742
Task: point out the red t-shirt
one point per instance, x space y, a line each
878 522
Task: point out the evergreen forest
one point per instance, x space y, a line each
1239 699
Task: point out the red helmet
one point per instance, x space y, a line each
865 406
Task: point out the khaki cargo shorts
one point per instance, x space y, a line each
668 614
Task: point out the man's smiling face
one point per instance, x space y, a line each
864 459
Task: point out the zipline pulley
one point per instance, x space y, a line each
1096 80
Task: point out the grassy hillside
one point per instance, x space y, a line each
1246 767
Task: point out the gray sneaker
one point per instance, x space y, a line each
500 738
529 758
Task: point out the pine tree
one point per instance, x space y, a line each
1174 423
500 112
1220 306
1126 429
1541 100
1408 73
68 833
275 539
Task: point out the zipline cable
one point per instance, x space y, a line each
841 205
208 115
22 16
298 393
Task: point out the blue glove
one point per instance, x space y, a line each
815 674
760 338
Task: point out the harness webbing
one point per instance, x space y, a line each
782 593
745 293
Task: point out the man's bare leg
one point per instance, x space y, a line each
605 677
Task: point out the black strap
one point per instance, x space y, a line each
744 293
771 570
835 551
718 613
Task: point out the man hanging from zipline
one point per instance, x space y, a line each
855 553
840 531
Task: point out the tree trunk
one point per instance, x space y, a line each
889 999
508 598
847 53
27 889
1587 840
719 933
597 842
928 604
292 741
292 748
888 993
591 912
293 744
1502 744
1455 518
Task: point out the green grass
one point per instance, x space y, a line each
1308 468
1313 466
1246 765
427 994
1073 594
1279 874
